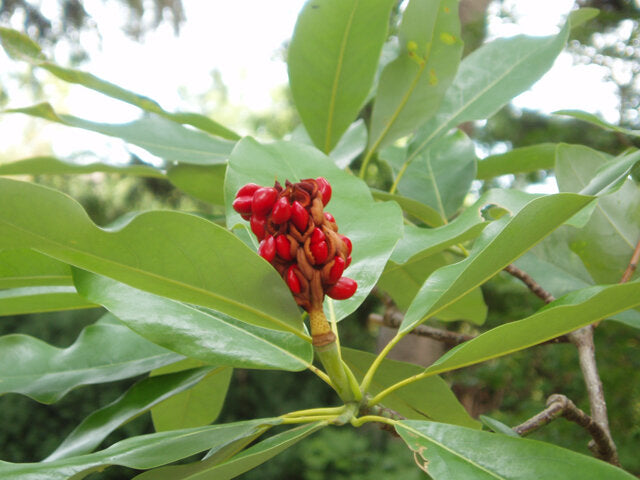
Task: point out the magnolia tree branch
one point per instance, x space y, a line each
633 264
560 406
393 319
583 340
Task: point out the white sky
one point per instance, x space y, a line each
241 39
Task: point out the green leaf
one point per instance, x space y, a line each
21 47
488 79
581 16
441 175
564 315
21 267
241 463
204 182
373 227
15 301
416 209
351 144
595 120
500 244
142 452
332 61
448 451
519 160
197 406
46 373
607 241
412 86
142 396
173 254
206 335
611 175
55 166
429 399
497 426
157 135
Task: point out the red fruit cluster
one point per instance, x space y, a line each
299 238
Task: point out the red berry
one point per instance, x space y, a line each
281 211
319 251
258 226
248 190
246 216
292 280
336 271
348 244
263 200
267 249
283 247
242 205
348 262
343 289
329 217
317 236
325 189
299 216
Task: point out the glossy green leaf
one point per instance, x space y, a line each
15 301
332 61
21 47
21 267
519 160
441 175
205 335
611 175
159 136
428 399
566 314
373 227
142 452
351 144
173 254
142 396
595 120
47 373
488 79
198 406
500 244
239 464
608 240
204 182
412 86
55 166
414 208
448 451
579 17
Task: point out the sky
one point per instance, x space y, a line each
243 39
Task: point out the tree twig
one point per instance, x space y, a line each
529 282
393 319
633 264
560 406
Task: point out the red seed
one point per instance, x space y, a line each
343 289
325 189
248 190
348 262
329 217
281 211
267 249
246 216
263 200
317 236
258 225
292 280
348 244
242 205
320 252
283 247
336 271
299 216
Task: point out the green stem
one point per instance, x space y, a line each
329 355
319 418
316 411
378 398
366 381
358 422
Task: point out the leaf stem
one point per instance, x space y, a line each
366 381
358 422
378 398
316 412
294 420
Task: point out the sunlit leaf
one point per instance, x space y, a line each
55 166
